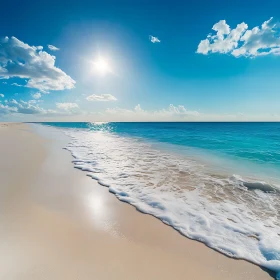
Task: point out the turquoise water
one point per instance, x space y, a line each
218 183
256 142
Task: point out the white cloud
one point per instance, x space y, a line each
31 111
5 109
101 97
37 95
23 107
242 41
16 85
177 113
33 101
222 28
171 113
32 107
70 108
66 106
18 59
53 48
180 110
154 39
2 95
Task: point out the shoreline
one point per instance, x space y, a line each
83 215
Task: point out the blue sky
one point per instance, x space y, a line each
139 61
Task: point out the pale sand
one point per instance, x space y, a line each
57 223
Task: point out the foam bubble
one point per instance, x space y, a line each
237 216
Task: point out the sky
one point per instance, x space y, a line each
139 60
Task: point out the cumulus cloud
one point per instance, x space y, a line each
5 109
71 108
37 95
2 95
18 59
101 97
53 48
170 113
23 107
177 113
241 41
32 107
154 39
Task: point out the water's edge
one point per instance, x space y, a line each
122 197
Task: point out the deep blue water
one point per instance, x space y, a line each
256 142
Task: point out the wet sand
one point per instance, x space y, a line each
57 223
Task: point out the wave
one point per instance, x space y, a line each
237 216
255 185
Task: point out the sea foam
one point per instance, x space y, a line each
237 216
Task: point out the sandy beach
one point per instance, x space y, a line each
57 223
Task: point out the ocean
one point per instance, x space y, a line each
218 183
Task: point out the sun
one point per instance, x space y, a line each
101 66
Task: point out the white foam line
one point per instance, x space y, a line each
221 212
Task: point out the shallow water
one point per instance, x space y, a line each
216 183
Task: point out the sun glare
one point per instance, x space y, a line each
101 66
